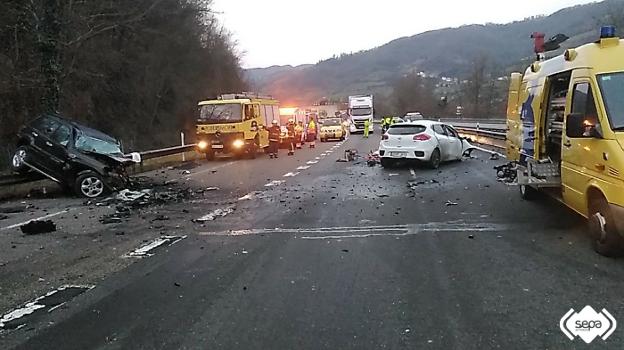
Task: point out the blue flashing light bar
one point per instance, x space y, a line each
607 32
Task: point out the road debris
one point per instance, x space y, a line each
38 227
131 196
450 203
13 210
212 189
3 217
221 212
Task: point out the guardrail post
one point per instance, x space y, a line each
182 143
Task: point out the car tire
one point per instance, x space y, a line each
210 156
387 163
89 184
528 193
606 240
17 160
435 159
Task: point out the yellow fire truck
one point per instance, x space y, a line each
565 136
235 124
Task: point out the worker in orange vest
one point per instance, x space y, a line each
312 133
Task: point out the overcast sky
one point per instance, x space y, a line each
280 32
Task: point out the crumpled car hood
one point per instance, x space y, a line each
112 159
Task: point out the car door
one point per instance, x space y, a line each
443 140
43 128
57 148
455 143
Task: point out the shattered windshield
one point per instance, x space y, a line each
217 114
91 144
612 88
361 111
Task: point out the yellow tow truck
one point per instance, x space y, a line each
235 124
565 120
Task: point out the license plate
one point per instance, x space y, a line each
217 146
398 154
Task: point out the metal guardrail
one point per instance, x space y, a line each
484 132
490 138
17 179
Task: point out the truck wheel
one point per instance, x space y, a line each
210 155
606 240
17 161
89 185
528 193
436 158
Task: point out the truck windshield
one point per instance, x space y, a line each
332 122
612 88
218 114
357 112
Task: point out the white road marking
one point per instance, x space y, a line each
312 162
249 196
35 305
366 231
220 212
211 169
291 174
303 167
274 183
36 219
144 251
490 152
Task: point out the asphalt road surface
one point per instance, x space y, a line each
306 252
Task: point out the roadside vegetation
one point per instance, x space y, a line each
134 69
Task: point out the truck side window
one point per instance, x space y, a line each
249 114
583 103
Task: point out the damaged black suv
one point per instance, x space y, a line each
79 158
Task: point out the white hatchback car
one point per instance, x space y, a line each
429 141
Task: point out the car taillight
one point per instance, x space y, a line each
422 137
384 137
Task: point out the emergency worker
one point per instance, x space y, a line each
312 133
366 128
290 137
298 134
274 138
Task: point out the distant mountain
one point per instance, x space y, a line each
445 52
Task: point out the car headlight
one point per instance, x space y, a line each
238 143
202 145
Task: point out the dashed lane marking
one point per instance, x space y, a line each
291 174
274 183
303 167
146 250
312 162
36 219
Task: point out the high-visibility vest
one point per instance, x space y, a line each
312 127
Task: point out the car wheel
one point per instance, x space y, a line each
17 161
210 155
387 163
528 193
89 185
606 240
436 158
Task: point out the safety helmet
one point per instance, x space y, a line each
291 120
275 122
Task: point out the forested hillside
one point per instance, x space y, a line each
135 69
451 52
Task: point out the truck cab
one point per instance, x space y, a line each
360 110
235 124
565 121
